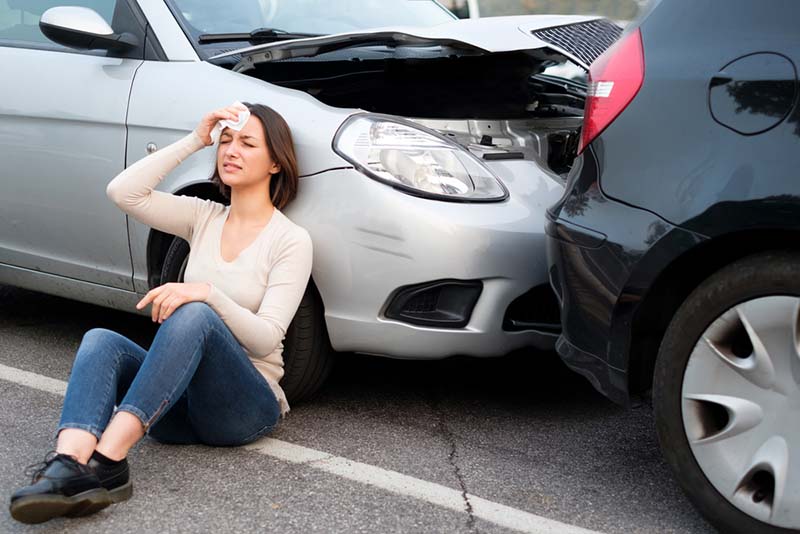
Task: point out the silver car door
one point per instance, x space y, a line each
62 139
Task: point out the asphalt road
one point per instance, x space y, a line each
521 431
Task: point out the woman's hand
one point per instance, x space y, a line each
169 297
208 122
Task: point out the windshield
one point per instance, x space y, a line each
305 16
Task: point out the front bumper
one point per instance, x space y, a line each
369 240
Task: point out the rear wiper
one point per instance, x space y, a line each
255 36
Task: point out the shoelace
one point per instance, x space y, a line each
35 471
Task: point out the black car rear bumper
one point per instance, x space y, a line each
601 275
611 382
586 305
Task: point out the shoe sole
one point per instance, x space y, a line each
122 493
33 509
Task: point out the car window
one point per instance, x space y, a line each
306 16
19 20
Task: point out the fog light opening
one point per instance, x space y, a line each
441 303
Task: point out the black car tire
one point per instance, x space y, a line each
774 273
307 353
175 261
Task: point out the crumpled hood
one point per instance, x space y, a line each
580 38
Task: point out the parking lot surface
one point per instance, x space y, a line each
459 445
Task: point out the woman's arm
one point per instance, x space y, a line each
261 332
133 190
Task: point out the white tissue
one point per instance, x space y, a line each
244 114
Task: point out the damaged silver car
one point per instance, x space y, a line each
429 148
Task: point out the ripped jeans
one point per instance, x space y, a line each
195 384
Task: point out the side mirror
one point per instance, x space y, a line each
84 29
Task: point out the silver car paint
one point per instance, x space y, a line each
494 34
80 18
161 113
58 148
170 35
369 239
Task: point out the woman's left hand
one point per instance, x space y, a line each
169 297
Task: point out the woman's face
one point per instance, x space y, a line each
243 158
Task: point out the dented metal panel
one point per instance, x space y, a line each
490 35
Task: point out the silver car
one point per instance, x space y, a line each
428 151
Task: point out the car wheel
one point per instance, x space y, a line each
307 354
726 395
175 261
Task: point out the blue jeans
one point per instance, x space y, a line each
195 384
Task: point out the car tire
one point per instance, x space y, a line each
175 261
307 353
705 327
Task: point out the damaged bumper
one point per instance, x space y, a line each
368 251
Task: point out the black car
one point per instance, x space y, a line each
675 251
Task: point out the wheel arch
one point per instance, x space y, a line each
674 284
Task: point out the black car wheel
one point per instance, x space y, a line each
307 354
726 395
175 261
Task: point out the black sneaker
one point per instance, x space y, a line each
60 486
115 478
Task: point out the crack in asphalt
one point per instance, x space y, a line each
452 458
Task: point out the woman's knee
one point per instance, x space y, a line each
197 314
99 336
96 344
101 347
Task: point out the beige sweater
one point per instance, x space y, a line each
257 294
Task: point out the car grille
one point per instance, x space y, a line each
585 40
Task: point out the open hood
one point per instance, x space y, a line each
579 38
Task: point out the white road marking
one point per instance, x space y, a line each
32 380
392 481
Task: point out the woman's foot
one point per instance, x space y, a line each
60 486
114 476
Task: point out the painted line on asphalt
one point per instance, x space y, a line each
32 380
499 514
392 481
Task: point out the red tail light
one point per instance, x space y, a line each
614 79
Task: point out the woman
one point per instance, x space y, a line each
211 374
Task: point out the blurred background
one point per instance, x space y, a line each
621 10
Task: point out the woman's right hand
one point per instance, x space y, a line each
210 120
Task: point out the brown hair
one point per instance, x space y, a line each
283 184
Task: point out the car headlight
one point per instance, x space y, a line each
416 160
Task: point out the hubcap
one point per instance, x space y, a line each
741 407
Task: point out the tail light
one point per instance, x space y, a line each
614 79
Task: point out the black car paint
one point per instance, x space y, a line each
670 191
